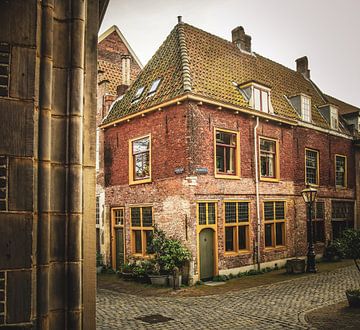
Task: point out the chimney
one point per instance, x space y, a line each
121 89
125 69
302 66
240 39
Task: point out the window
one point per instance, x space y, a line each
340 171
97 210
311 167
141 229
305 108
334 118
261 99
140 160
236 226
274 215
318 222
227 154
154 87
118 217
342 217
3 183
4 68
269 162
138 94
206 213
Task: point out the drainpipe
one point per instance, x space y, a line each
258 227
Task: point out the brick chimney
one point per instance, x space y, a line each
240 39
302 66
121 89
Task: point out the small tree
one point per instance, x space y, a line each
169 252
350 245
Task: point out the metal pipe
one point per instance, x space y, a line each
258 227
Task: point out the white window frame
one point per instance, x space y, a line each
306 108
334 118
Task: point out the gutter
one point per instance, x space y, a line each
258 227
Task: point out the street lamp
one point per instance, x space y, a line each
309 195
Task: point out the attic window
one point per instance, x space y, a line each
138 94
334 118
257 95
305 108
154 87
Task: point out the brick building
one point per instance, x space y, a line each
118 66
214 143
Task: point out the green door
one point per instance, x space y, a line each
119 241
207 263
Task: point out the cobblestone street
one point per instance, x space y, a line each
277 306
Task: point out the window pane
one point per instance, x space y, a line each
243 211
154 86
141 145
147 216
264 99
230 212
229 238
135 216
280 233
211 213
202 214
319 210
311 166
268 235
318 231
148 237
141 163
280 210
340 171
269 210
242 235
220 159
137 238
230 160
257 99
119 217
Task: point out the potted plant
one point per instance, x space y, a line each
99 262
350 246
126 270
169 254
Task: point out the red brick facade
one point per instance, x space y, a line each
182 136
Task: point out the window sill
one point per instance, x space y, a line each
235 254
269 179
227 176
131 183
340 187
312 184
275 248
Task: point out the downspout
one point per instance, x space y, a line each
258 227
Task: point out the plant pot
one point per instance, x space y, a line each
171 280
142 279
99 269
159 279
353 299
127 276
295 266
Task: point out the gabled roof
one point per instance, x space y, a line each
116 29
344 108
192 61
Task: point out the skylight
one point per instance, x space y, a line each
138 94
154 86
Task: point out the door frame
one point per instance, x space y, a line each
199 228
113 235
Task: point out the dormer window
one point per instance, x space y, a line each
334 118
138 94
305 108
257 95
154 87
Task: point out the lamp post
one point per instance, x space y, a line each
309 195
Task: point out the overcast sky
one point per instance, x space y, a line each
326 31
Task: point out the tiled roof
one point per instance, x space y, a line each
193 61
344 108
110 72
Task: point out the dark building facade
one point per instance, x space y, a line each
48 70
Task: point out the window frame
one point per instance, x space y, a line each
142 229
273 222
220 175
236 225
334 117
303 117
138 94
276 178
345 171
132 180
155 82
113 228
317 167
315 220
261 91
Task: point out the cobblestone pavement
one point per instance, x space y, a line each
277 306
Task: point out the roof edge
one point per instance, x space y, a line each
185 62
123 39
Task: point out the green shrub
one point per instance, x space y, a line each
350 245
333 251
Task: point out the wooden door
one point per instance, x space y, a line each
207 255
119 247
